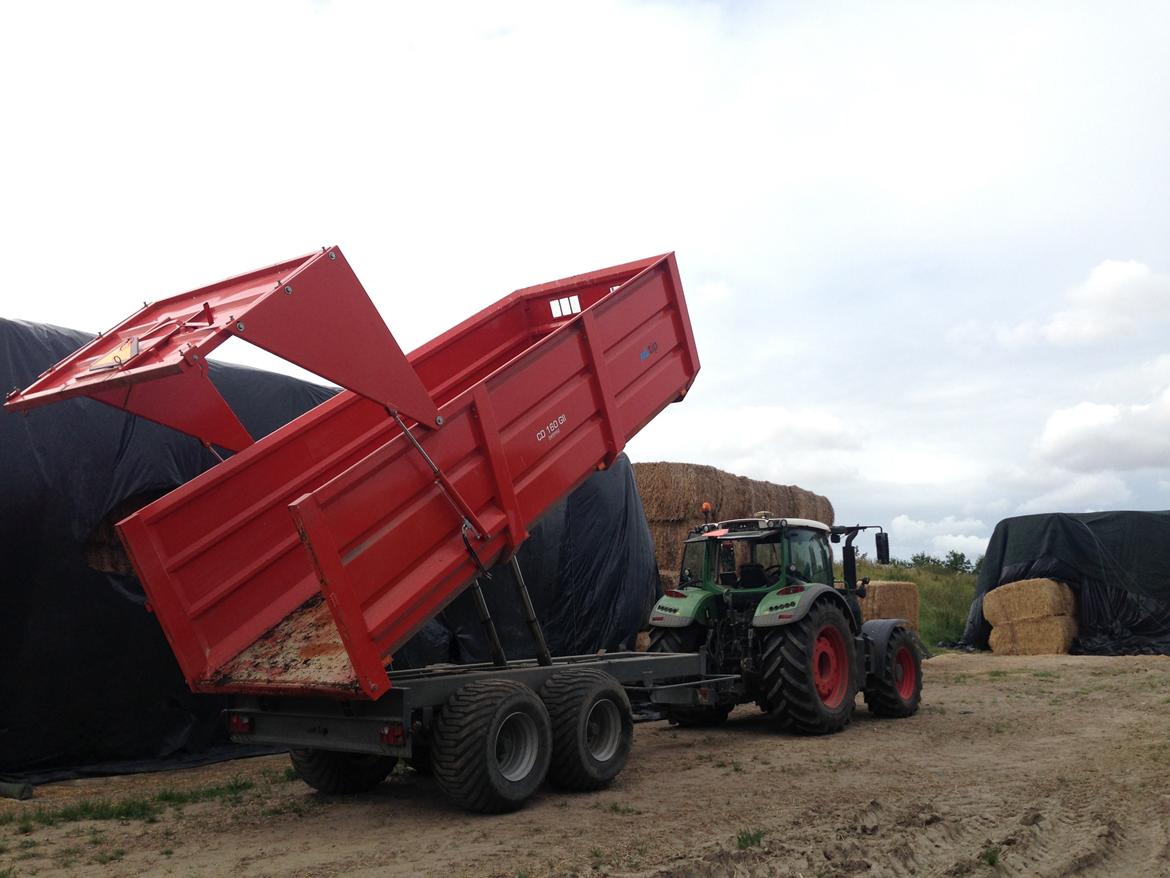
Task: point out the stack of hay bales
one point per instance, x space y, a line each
1031 617
891 599
673 495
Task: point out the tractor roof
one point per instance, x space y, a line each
752 528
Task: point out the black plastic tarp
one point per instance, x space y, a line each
86 676
1116 562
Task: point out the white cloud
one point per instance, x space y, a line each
909 536
1117 299
971 546
1080 493
1090 437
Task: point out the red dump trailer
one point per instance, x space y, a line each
290 572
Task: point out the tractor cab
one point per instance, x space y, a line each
757 595
760 553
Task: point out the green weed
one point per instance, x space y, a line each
747 838
989 856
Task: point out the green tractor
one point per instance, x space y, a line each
758 595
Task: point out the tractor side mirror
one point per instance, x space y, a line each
882 542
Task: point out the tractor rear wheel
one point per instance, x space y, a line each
896 689
692 638
809 677
336 773
491 745
592 729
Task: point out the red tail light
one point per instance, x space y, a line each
791 589
674 593
238 724
393 734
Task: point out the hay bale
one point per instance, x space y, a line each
676 492
673 494
668 539
1028 599
890 599
1046 635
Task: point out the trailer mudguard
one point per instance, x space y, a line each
877 633
678 612
784 606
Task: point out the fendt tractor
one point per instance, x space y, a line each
757 596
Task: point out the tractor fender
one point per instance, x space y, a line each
679 612
784 609
877 634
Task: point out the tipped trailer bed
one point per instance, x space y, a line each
291 571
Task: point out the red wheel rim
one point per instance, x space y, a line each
830 665
905 673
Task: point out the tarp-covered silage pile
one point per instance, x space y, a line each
86 676
1117 563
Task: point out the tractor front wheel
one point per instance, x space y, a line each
692 638
896 689
809 678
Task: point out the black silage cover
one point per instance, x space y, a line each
87 681
1118 563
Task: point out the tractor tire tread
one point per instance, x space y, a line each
881 695
790 690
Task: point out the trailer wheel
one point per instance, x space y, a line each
897 689
692 638
809 677
336 773
592 729
491 745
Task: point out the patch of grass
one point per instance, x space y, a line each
1045 675
944 598
230 790
8 872
138 808
748 838
989 856
28 843
111 857
293 806
997 675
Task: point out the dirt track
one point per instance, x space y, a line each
1044 766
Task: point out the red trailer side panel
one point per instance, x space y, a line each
535 392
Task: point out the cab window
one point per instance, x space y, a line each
692 561
808 552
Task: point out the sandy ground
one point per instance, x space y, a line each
1047 766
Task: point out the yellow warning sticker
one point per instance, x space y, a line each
124 352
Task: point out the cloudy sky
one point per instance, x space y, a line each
924 244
